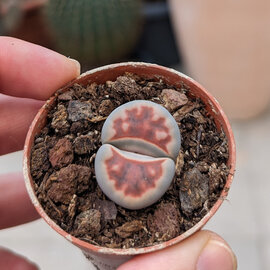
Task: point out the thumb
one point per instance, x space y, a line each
202 251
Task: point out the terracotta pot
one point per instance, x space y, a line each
225 46
109 258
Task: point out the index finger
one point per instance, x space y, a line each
31 71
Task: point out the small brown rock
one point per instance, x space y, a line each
107 209
66 96
39 161
61 188
216 176
59 121
165 223
203 167
51 141
88 93
182 112
126 86
77 127
92 89
88 222
87 202
83 178
62 185
105 107
129 228
173 99
61 154
78 110
84 144
199 117
193 190
179 163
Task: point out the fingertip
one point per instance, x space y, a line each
33 71
216 255
76 66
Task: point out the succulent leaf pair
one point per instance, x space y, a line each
135 165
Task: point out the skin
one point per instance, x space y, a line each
29 74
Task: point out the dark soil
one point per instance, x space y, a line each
62 165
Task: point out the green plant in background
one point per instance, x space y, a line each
94 31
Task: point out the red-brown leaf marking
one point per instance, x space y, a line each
141 124
133 177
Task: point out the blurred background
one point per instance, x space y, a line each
224 45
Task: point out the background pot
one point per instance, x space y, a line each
108 258
94 32
225 46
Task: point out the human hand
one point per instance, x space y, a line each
204 250
29 74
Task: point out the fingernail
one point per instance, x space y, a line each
77 65
216 255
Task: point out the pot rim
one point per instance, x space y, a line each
217 110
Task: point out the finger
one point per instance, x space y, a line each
11 261
15 205
202 251
31 71
16 115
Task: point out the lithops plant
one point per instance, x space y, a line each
135 165
94 32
